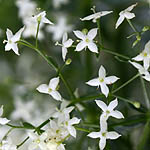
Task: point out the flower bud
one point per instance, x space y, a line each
84 31
146 28
136 104
68 61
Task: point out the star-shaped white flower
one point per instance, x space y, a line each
103 134
69 125
3 121
51 89
102 81
144 56
66 43
41 18
145 74
12 39
87 40
109 110
125 14
37 141
96 16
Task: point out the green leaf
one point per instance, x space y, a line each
28 125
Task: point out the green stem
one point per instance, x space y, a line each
132 26
36 40
99 32
126 83
12 126
114 53
82 129
145 93
50 63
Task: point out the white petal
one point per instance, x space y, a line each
93 82
104 89
79 34
129 15
53 124
64 53
60 147
119 21
43 88
65 36
94 135
113 104
112 135
102 143
73 121
1 110
111 79
72 131
116 114
102 72
147 77
9 34
45 20
4 121
101 104
17 36
92 47
32 146
15 48
136 65
68 43
103 123
68 110
8 47
55 95
130 7
147 46
138 58
146 63
88 17
81 46
32 135
92 33
53 83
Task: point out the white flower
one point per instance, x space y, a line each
69 125
66 43
41 18
102 81
87 40
12 39
60 27
57 3
144 56
109 110
103 134
3 121
63 113
125 14
51 89
37 141
95 16
145 74
7 145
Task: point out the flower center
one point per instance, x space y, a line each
101 79
37 141
9 41
49 90
104 134
87 40
107 112
145 54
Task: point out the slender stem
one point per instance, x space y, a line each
99 32
37 32
132 26
145 93
19 145
82 129
15 126
126 83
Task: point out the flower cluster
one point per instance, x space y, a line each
108 111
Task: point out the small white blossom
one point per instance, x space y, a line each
41 18
102 81
87 40
66 43
103 134
69 125
125 14
3 121
7 145
109 110
96 16
63 113
37 141
51 89
144 56
60 27
57 3
145 74
12 39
